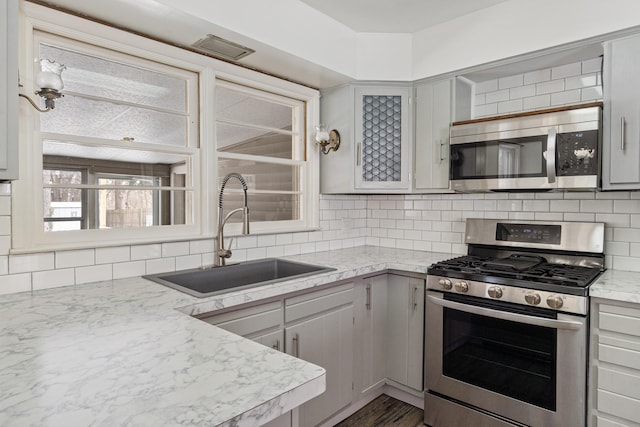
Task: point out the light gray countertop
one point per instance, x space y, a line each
123 352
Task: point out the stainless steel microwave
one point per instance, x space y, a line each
555 149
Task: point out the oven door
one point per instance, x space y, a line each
489 363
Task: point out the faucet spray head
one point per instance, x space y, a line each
245 220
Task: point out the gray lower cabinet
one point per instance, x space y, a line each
370 332
9 90
405 330
615 370
262 323
621 130
319 329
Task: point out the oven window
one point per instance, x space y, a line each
506 357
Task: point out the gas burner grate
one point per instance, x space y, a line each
480 268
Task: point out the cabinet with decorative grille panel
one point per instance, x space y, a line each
375 124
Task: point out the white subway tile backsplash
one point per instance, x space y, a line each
566 98
53 278
537 76
591 94
14 283
129 269
499 96
579 82
511 81
596 206
569 70
592 65
162 265
140 252
31 262
522 92
513 106
94 273
486 86
549 87
113 254
173 249
486 110
66 259
536 102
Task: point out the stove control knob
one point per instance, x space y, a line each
532 298
495 292
554 301
462 286
445 283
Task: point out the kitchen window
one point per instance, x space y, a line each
135 150
118 156
261 136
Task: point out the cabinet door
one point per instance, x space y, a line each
9 89
432 120
405 326
370 334
621 162
382 135
325 340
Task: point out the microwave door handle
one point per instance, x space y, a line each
551 155
505 315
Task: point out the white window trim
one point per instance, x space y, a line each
25 212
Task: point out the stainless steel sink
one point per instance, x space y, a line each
206 282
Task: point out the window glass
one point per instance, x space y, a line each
260 136
97 77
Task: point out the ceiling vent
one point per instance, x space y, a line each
222 48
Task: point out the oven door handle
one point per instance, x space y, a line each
505 315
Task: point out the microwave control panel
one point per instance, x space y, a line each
577 153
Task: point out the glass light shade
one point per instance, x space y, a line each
321 133
50 76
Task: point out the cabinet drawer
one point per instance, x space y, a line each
619 356
317 302
248 321
621 406
603 422
623 383
619 319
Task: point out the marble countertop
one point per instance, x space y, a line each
616 285
123 352
128 353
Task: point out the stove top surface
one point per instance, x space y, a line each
528 271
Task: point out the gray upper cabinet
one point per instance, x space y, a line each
432 120
376 134
621 130
9 87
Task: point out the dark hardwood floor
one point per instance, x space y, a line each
385 411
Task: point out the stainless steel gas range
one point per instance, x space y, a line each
506 326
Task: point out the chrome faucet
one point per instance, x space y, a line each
221 253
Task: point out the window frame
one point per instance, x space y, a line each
299 156
27 210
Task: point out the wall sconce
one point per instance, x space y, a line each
328 140
49 80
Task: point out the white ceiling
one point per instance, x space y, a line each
398 16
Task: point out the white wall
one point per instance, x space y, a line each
516 27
